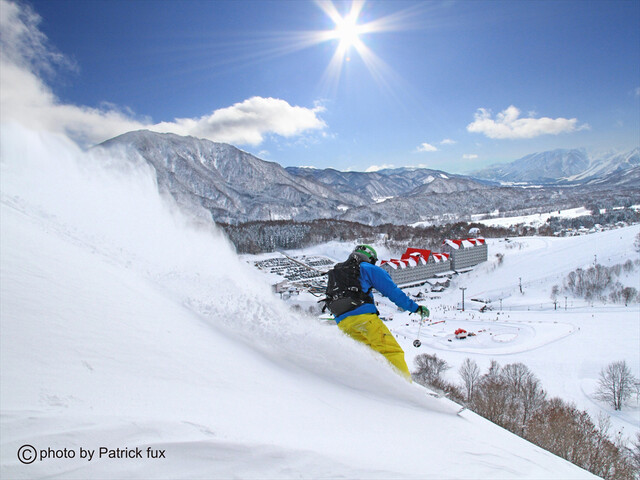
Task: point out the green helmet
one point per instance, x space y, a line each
366 253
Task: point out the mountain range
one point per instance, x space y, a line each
563 166
236 187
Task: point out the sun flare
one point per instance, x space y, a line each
347 31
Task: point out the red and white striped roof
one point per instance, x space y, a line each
414 257
440 257
464 243
395 263
417 255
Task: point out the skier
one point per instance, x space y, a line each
350 300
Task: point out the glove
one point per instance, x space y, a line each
422 311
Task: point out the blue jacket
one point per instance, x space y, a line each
374 276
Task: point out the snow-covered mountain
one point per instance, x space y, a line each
389 183
611 168
125 327
233 185
561 166
627 178
545 167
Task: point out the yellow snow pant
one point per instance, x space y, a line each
370 330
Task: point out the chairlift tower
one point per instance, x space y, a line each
463 289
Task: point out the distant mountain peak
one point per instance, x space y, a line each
560 166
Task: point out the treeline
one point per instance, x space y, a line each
600 282
513 397
257 237
268 236
611 217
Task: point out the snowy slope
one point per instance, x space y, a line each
125 327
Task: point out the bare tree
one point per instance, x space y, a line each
470 374
430 367
616 384
525 394
491 400
513 398
635 451
532 398
628 294
555 291
515 375
493 371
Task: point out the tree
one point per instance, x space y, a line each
491 399
616 384
493 371
532 397
514 375
470 374
429 368
628 294
635 452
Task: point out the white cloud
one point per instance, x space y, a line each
375 168
637 92
469 156
26 98
248 122
508 124
448 141
23 44
426 147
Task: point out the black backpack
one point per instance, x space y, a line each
344 291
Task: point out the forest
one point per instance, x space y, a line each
268 236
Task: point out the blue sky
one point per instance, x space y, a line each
452 85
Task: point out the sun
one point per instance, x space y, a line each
347 32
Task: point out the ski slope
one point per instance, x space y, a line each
126 326
536 220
